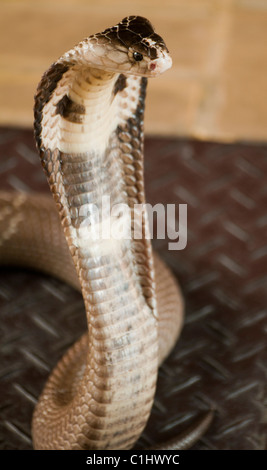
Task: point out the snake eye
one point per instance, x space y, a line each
137 56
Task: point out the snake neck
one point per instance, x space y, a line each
90 135
89 130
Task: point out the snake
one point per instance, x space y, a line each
89 132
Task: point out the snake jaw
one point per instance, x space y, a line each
160 65
121 61
152 68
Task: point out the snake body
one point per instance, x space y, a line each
88 125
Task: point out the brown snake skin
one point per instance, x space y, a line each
89 110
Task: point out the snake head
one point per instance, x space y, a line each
147 52
131 47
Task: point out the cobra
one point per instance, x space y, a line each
89 109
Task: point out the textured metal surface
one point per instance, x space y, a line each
220 359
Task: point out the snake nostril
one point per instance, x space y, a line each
152 66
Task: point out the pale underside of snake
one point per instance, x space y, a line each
89 110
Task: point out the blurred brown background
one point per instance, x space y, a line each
216 89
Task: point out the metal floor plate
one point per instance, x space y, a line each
220 359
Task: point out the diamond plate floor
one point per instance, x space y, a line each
220 359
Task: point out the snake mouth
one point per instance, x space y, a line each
152 68
158 66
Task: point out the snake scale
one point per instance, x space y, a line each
89 109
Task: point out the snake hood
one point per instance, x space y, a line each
132 45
